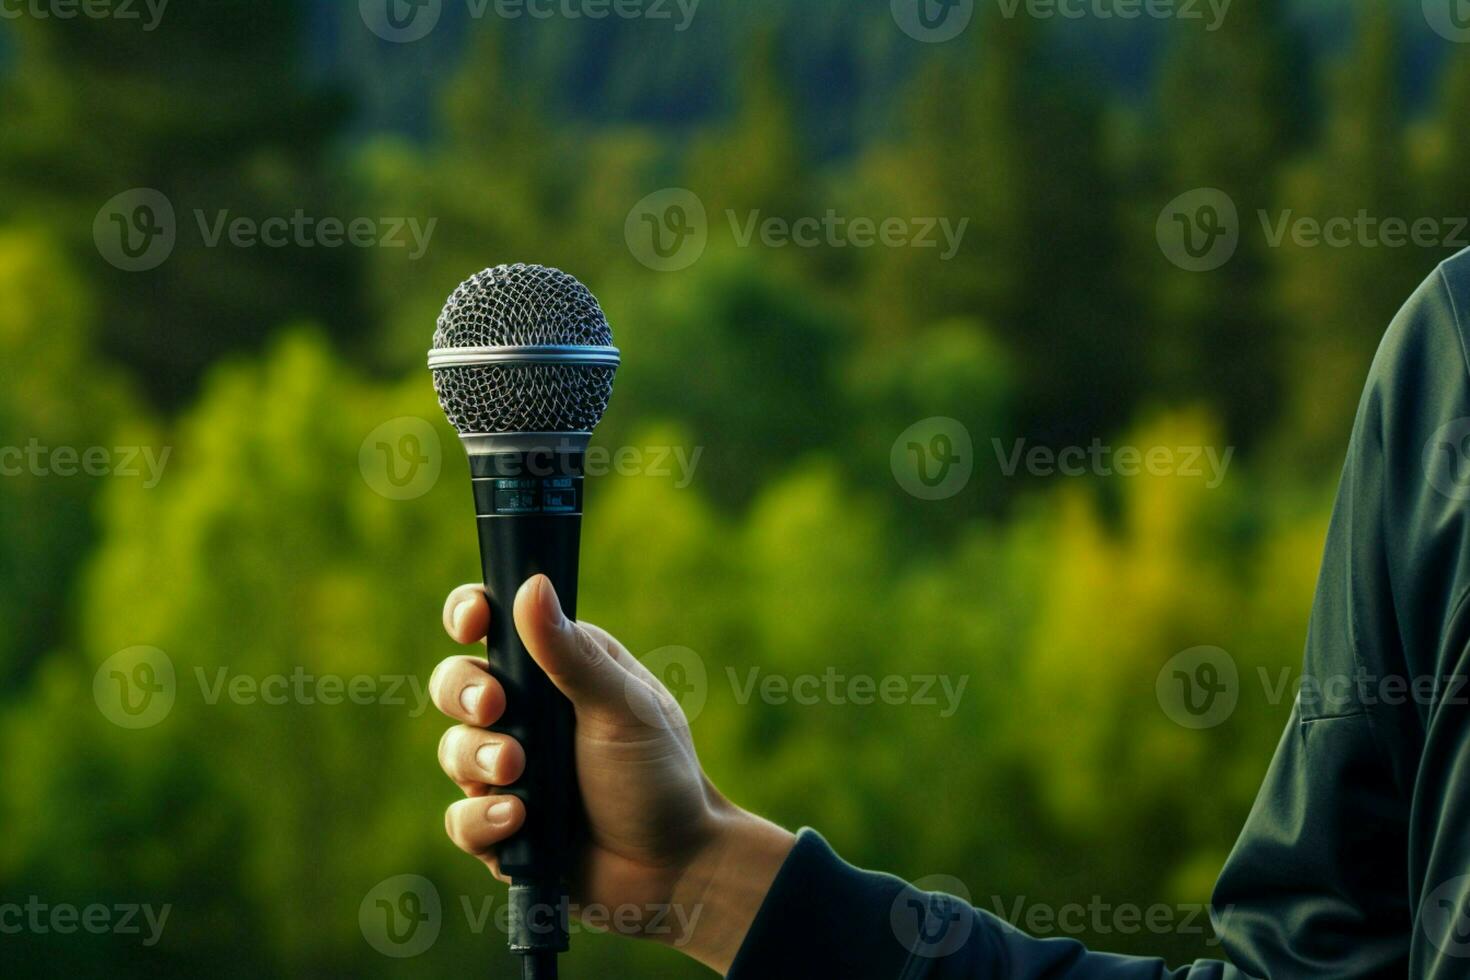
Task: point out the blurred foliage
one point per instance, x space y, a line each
264 550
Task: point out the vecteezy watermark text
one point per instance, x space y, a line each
832 230
41 918
1212 12
406 21
68 461
303 688
672 922
90 9
677 463
837 688
1364 230
1100 917
304 231
1098 459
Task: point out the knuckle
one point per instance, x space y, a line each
511 761
492 701
585 647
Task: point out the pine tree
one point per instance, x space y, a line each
1233 108
211 108
1338 296
1000 137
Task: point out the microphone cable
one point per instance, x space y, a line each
539 965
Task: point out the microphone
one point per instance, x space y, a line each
523 364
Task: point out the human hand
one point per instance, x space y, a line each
667 855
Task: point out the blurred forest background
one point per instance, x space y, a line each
264 548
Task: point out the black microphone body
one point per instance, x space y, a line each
528 506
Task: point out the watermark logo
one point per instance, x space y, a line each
933 459
1199 230
933 21
401 459
136 687
1450 19
1447 459
1445 917
668 230
1198 688
401 916
682 673
934 918
401 21
136 230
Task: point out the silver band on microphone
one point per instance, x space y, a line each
492 444
569 354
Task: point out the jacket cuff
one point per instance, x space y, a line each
823 917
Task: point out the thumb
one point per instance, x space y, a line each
577 664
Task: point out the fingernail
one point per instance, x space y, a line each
459 612
469 698
500 813
486 756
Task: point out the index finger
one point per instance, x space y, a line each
467 614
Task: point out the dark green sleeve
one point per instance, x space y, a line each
825 918
1353 860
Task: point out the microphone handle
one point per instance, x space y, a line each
528 507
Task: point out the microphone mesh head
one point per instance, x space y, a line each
523 306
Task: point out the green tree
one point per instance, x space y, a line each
999 138
213 109
1337 297
1234 106
56 406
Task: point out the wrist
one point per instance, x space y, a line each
725 883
